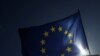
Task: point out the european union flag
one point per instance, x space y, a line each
64 37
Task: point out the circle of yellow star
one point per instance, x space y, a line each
46 33
60 29
52 29
42 42
43 50
68 49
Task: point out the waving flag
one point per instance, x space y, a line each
64 37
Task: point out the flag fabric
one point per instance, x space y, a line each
64 37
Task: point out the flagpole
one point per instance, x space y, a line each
84 31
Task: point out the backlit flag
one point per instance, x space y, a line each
64 37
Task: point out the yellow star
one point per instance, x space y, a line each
52 29
43 50
42 42
60 29
71 41
68 49
62 55
65 32
46 33
69 35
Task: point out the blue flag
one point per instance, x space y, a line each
64 37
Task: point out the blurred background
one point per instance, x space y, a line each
26 13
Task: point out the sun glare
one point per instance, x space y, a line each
83 51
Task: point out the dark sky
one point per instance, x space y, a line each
19 14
